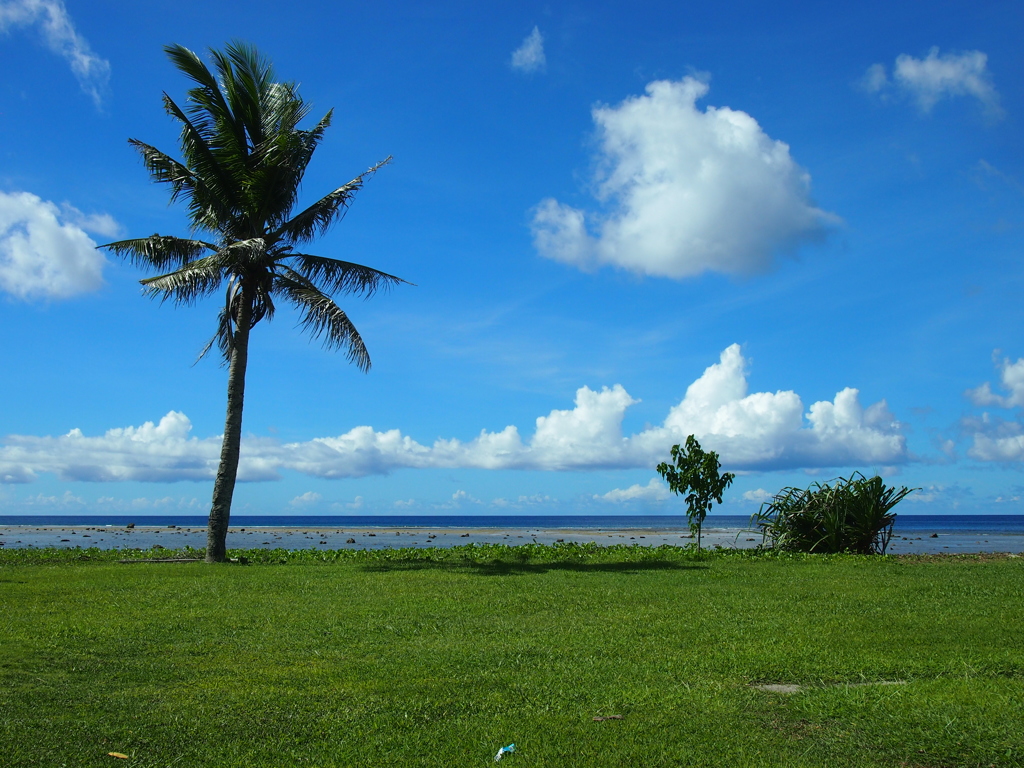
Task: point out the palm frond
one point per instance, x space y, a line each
189 283
160 251
213 193
210 112
287 178
335 276
165 169
246 255
209 109
317 218
246 78
280 161
222 338
322 317
265 132
260 296
190 65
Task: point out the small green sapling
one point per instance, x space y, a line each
695 473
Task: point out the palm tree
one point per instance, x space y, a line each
243 160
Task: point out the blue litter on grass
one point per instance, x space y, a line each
504 751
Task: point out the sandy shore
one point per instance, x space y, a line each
365 537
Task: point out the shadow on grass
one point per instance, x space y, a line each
522 568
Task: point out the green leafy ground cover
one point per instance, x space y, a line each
438 658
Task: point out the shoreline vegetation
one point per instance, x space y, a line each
473 552
579 654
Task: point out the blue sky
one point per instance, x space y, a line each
793 230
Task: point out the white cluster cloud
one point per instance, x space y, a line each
758 496
68 499
459 500
996 439
950 496
936 77
61 37
655 490
1004 447
684 191
529 57
164 504
161 452
1012 379
766 430
758 431
45 251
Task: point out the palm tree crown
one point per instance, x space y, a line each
243 159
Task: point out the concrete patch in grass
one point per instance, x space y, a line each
790 688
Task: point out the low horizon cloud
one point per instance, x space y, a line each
936 77
995 439
683 191
61 37
654 491
760 431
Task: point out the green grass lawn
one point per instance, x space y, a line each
439 659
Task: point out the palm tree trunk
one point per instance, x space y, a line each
224 486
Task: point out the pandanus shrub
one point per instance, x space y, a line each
852 514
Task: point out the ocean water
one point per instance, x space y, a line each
905 524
